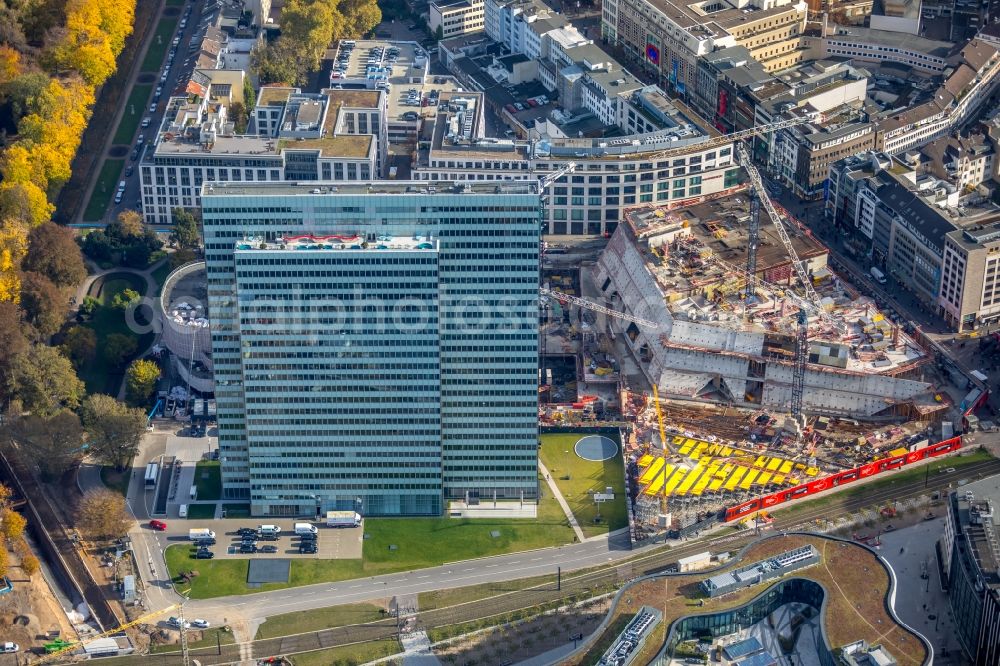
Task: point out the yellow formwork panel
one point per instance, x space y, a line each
794 480
726 451
724 472
898 452
697 451
690 480
645 461
686 447
812 471
705 479
716 484
706 461
763 478
652 471
674 480
657 484
678 440
778 478
786 466
713 450
748 479
774 464
735 478
761 460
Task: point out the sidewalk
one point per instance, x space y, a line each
565 507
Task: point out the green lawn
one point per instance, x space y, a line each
208 480
441 598
160 44
348 655
586 477
201 511
98 376
104 190
175 3
420 543
316 620
895 478
135 110
114 480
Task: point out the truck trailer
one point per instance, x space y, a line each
343 519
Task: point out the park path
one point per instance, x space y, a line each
135 69
562 502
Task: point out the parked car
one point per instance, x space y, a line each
248 547
146 121
203 543
246 530
200 624
308 548
176 622
158 525
267 549
152 108
9 647
204 555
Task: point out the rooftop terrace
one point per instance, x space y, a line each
339 243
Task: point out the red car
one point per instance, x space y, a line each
158 525
510 108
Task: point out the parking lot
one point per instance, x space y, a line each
334 544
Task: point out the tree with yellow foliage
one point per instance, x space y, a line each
10 64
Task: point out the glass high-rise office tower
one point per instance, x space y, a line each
374 344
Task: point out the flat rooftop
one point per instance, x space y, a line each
265 189
409 64
344 145
690 14
977 503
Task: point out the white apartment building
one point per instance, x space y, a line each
334 135
970 84
456 17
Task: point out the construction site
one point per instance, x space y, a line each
740 363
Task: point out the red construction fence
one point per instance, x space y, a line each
840 478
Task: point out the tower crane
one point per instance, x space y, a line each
801 339
48 658
737 137
590 305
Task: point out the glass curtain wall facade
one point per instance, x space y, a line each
397 370
713 625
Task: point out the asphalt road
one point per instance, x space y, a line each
534 563
191 34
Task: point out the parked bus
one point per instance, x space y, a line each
152 471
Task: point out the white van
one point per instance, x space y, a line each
305 528
269 529
182 512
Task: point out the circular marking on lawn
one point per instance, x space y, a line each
595 448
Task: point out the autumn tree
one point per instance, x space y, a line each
103 514
118 348
44 304
12 525
309 26
55 443
80 345
53 252
186 232
14 342
115 429
29 565
140 380
45 381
